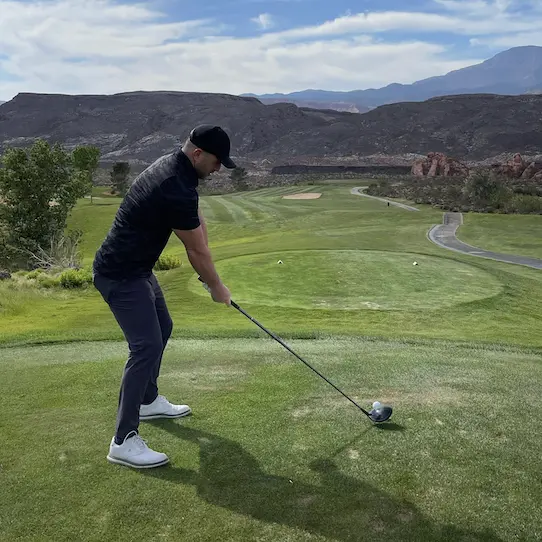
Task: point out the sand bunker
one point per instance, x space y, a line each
303 195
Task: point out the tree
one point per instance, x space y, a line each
485 191
119 178
239 177
38 189
85 160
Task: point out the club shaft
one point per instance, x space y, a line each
279 340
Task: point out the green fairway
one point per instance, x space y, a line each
272 452
368 287
509 234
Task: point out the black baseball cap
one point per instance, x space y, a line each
215 140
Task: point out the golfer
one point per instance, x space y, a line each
162 199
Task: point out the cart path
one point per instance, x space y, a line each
359 191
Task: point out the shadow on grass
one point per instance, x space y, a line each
389 427
340 508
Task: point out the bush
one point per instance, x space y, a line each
524 204
62 253
47 281
34 274
167 261
75 278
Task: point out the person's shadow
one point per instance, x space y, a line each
340 508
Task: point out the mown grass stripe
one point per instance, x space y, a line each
278 190
221 212
275 208
294 190
252 193
238 213
258 210
207 210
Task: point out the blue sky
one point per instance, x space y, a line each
260 46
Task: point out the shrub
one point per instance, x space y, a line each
167 261
62 253
47 281
524 204
34 274
75 278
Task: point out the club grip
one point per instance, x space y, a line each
233 303
204 284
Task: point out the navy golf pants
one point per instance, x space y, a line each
140 310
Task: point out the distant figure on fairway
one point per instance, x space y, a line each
163 199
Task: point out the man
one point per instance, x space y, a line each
163 199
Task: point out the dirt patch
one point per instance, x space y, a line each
301 412
437 395
210 378
305 195
353 454
306 501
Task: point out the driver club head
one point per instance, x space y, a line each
381 414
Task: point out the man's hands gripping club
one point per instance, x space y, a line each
200 258
220 294
213 294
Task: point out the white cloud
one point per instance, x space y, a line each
489 8
478 7
492 22
512 40
118 48
264 21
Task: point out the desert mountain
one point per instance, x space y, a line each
511 72
140 126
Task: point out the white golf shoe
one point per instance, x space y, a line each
162 408
134 452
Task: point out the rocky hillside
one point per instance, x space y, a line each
314 104
140 126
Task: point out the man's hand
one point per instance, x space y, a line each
221 294
218 292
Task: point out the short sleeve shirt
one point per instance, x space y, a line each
162 198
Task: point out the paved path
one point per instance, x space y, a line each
444 235
359 191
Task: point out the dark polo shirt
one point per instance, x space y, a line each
162 198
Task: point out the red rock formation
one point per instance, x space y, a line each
517 168
531 170
417 168
438 164
513 168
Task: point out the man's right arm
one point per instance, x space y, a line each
200 258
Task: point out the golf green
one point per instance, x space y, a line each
353 280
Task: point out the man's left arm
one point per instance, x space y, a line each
203 226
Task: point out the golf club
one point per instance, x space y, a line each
377 415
